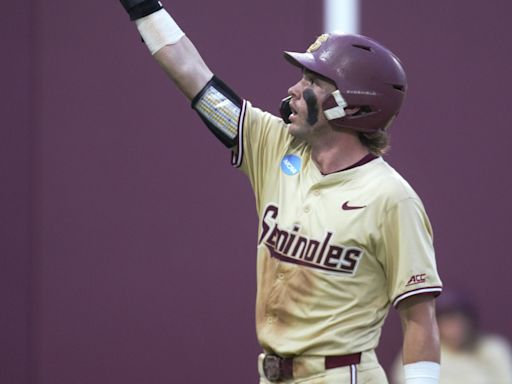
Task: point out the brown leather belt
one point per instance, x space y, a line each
277 368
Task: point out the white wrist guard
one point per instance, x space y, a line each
422 372
158 30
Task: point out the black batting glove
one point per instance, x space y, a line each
140 8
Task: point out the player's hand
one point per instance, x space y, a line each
140 8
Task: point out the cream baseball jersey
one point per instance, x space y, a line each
334 251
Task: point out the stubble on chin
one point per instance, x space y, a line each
298 132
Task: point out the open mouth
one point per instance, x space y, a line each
293 110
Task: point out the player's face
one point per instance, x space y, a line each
307 119
455 330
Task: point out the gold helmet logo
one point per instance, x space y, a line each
320 39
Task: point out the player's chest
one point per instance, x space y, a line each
330 224
317 205
320 229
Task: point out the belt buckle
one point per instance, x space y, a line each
272 367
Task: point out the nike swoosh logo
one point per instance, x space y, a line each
347 207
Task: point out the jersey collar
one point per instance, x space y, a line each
369 157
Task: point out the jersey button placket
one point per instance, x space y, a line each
314 193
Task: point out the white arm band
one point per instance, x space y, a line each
422 372
158 30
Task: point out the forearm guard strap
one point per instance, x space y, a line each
140 8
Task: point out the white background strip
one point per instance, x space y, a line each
341 15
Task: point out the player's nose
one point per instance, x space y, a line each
293 91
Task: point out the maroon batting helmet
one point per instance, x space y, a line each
367 75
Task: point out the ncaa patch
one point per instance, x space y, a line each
291 165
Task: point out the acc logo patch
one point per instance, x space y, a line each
313 47
291 165
417 279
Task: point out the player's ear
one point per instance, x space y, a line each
350 111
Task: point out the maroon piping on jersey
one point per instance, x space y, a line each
237 157
434 290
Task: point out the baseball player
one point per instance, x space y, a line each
342 237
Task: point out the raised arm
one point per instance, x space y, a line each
185 66
175 53
421 351
218 105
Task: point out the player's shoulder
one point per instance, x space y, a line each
261 118
390 185
260 126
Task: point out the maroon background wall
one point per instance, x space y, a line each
15 120
128 242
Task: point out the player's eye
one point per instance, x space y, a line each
309 80
308 77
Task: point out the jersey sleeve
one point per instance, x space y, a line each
262 139
409 259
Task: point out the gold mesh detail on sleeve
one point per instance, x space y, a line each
220 111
